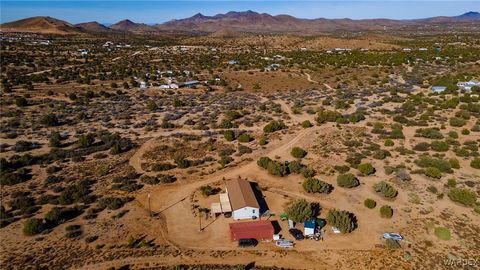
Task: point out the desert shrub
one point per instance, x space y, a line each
73 234
22 146
49 120
224 160
86 140
300 211
58 215
432 189
431 133
381 154
158 167
273 167
463 196
386 211
90 239
433 172
465 131
439 146
457 122
451 183
274 126
76 193
354 159
33 226
453 134
182 162
454 163
307 171
442 233
369 203
112 203
389 142
298 152
229 135
307 124
403 175
341 169
312 185
475 163
343 220
244 138
295 166
262 140
12 178
207 190
427 161
242 149
324 116
366 168
347 180
385 189
423 146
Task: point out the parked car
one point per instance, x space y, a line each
394 236
296 233
247 242
284 243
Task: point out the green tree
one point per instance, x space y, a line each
229 135
386 211
299 211
369 203
33 226
312 185
386 189
366 168
463 196
343 220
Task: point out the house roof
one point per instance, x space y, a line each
262 229
241 194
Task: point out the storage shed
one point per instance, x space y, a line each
260 230
309 227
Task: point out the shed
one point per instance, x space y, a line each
309 227
260 230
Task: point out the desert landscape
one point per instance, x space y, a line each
118 143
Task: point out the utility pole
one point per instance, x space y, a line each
149 206
199 220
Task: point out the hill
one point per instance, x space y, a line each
40 24
92 27
129 26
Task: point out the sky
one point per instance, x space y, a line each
159 11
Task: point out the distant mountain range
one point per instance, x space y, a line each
244 22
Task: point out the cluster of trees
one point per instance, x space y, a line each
281 169
301 210
324 116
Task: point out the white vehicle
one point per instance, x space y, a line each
284 243
336 230
394 236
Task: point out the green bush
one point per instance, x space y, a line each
274 126
463 196
475 163
86 140
439 146
244 138
385 189
341 169
451 183
366 168
312 185
442 233
33 226
428 161
300 211
369 203
207 190
347 180
389 142
433 172
457 122
343 220
298 152
307 124
386 211
229 135
112 203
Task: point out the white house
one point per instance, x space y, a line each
169 86
438 89
243 202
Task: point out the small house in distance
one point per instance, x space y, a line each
243 202
189 83
438 89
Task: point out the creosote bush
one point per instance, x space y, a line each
369 203
386 211
347 180
298 152
385 189
343 220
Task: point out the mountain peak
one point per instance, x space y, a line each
470 14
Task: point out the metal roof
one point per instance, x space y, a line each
241 194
